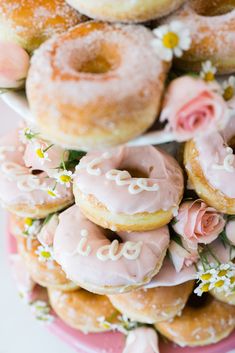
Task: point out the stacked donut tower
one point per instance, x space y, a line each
114 232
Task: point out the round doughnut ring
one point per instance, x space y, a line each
125 10
210 164
153 305
89 100
129 188
94 261
30 22
23 188
212 27
200 325
83 310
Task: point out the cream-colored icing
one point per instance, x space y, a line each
17 184
142 340
88 268
217 159
119 192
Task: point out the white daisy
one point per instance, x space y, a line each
44 253
41 311
208 71
41 153
228 88
26 135
53 192
202 288
171 39
31 227
64 177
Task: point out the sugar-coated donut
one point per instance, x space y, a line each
23 188
224 297
96 85
210 165
30 22
125 10
92 260
212 29
153 305
83 310
200 325
129 188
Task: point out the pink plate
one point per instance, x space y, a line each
113 342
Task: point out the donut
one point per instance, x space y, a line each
23 188
44 273
83 310
30 22
210 165
83 79
98 262
153 305
212 28
125 10
129 188
224 297
200 324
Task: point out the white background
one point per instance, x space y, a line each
19 331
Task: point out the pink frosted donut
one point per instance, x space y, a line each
24 190
212 27
210 164
129 188
98 264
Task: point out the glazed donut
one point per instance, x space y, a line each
200 325
153 305
91 259
125 10
83 310
83 79
228 298
24 189
30 22
129 188
45 273
212 27
210 164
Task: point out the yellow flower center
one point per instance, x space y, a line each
219 284
28 221
209 76
106 325
65 178
170 40
228 93
39 153
232 280
51 193
206 277
222 273
205 287
45 254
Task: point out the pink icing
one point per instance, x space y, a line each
160 167
55 155
47 233
142 340
14 65
212 151
10 193
23 280
89 269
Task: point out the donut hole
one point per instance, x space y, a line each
36 171
212 8
97 61
231 143
195 301
137 173
111 235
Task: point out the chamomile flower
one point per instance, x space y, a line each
171 39
202 288
31 227
44 253
41 311
53 192
208 71
41 153
27 135
228 88
64 177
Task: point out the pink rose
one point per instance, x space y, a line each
191 107
198 223
181 256
230 231
14 65
47 233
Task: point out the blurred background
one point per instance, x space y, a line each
19 331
